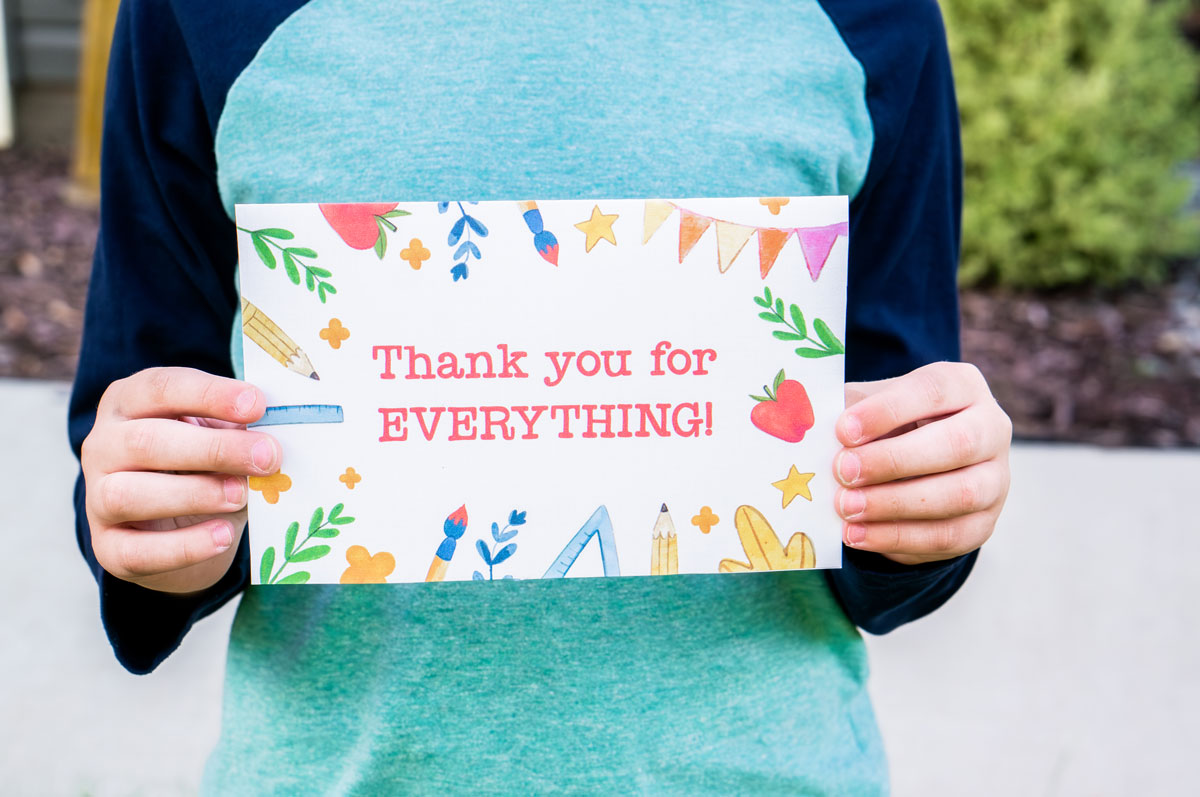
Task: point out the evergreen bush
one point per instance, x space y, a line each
1077 116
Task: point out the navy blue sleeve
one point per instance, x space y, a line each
162 289
902 311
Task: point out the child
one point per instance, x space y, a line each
695 684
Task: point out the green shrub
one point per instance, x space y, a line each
1077 115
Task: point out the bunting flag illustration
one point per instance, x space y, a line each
730 240
657 211
770 242
691 227
815 242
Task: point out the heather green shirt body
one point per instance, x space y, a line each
686 685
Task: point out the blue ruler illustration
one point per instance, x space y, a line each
599 525
300 413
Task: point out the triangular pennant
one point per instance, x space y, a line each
770 241
730 240
657 212
691 227
816 243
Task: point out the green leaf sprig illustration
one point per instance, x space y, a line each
383 223
321 527
268 238
825 344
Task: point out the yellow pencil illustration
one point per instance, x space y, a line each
664 552
274 341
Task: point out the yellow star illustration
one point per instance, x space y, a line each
597 227
795 484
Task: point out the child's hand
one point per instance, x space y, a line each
926 458
165 467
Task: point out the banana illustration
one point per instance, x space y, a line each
761 544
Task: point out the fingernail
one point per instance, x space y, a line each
849 467
263 455
245 402
856 534
235 493
222 534
853 428
853 504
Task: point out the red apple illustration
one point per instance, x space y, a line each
785 412
363 226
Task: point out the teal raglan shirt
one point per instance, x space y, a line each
692 685
688 685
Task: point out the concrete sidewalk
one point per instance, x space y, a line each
1068 663
1066 666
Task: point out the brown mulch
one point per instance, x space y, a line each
1117 368
45 256
1112 369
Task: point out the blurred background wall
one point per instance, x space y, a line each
1067 665
44 47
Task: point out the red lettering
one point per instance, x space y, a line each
460 422
567 409
559 369
687 362
591 370
593 422
529 422
474 358
691 427
388 352
624 408
623 370
511 362
700 353
390 423
657 353
413 357
660 426
506 431
428 431
448 366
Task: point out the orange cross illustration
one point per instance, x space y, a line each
705 520
271 486
335 333
415 254
350 478
773 203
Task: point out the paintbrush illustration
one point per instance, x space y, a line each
543 240
454 527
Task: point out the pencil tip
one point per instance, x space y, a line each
314 376
664 508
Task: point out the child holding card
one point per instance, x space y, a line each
689 684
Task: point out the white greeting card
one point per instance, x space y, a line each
498 390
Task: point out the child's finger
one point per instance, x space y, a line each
133 554
130 496
157 444
962 439
943 495
912 541
931 391
173 392
857 391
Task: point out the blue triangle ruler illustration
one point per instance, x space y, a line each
599 525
